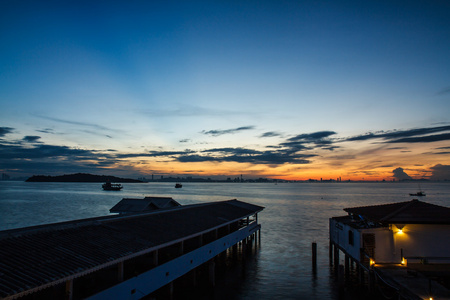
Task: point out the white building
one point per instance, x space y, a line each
390 233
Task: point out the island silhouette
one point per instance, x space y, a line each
80 177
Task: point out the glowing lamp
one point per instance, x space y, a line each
400 231
372 262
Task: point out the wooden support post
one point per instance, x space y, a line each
120 271
171 290
330 253
155 258
259 237
336 261
194 277
347 266
341 277
69 289
371 281
212 272
361 276
314 257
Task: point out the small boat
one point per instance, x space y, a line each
108 186
178 186
419 193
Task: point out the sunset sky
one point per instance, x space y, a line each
280 89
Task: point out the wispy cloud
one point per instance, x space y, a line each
270 134
416 135
227 131
83 124
444 91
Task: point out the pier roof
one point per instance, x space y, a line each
130 205
409 212
36 257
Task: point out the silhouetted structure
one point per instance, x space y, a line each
129 205
118 257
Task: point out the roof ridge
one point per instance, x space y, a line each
377 205
407 204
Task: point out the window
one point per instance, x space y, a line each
350 237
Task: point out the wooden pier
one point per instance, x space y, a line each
125 257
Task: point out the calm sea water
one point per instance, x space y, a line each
295 215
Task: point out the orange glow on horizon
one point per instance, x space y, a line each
347 164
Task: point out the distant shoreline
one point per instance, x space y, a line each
80 177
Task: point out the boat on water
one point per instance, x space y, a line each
178 185
108 186
419 193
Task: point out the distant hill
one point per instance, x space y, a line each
79 177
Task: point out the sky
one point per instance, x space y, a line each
295 90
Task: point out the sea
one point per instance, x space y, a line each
295 216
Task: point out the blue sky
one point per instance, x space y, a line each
217 87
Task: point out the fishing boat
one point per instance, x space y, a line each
178 185
420 193
108 186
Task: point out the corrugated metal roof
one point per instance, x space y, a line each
409 212
129 205
49 254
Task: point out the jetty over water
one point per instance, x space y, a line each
123 256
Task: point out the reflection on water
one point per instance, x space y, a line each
295 216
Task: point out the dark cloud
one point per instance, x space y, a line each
227 131
270 134
242 155
22 159
440 172
417 135
424 139
309 141
31 138
154 154
185 141
5 130
400 174
43 151
312 137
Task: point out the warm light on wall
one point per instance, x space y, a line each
404 262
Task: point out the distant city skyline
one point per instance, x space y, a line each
288 90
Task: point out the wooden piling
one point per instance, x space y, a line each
314 257
212 272
347 266
330 253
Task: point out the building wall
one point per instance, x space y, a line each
423 240
339 234
415 240
384 244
